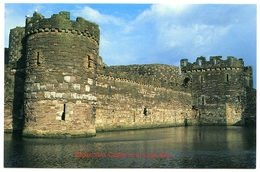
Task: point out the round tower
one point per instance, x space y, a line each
218 89
60 82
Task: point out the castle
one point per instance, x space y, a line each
56 85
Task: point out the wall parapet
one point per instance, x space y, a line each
108 77
61 23
215 63
158 75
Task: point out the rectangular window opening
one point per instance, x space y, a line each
238 99
201 79
145 111
203 100
89 61
38 59
227 77
64 112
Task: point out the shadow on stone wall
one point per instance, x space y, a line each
18 100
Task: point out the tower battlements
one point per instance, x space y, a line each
215 63
61 23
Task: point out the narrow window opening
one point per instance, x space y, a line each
238 99
203 100
186 82
184 63
64 112
38 59
89 61
145 111
201 79
227 77
215 61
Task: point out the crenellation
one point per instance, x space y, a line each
59 23
215 63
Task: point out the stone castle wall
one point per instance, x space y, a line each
9 77
157 75
121 105
14 76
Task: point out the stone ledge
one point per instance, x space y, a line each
58 134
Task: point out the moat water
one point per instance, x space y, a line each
178 147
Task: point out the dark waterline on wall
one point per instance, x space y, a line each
178 147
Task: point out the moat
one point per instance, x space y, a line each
177 147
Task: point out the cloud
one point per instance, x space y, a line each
14 15
116 46
175 25
169 9
95 16
191 30
12 20
166 33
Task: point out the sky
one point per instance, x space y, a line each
148 33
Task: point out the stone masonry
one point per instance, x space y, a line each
56 85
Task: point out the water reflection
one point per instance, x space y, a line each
14 149
179 147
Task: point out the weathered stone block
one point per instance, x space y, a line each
66 95
33 95
49 86
90 81
79 96
59 95
43 87
87 88
69 78
32 78
74 95
76 87
52 94
63 86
